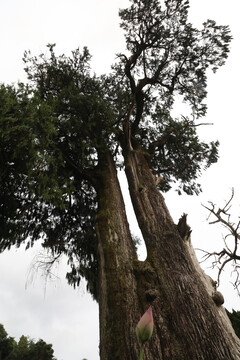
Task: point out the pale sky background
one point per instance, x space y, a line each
62 316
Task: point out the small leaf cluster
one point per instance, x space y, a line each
179 156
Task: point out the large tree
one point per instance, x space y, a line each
63 138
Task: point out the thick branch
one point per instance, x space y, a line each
160 142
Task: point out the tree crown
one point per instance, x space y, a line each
56 130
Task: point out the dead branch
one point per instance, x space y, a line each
44 263
230 254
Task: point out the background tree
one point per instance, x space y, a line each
80 129
6 343
234 316
40 350
21 350
24 349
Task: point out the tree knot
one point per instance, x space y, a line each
218 298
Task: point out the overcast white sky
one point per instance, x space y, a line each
62 316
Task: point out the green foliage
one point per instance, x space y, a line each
179 155
169 59
169 55
24 349
59 202
55 131
6 343
234 317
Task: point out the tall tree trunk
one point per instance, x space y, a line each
188 322
118 305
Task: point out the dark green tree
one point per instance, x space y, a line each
234 316
6 343
63 137
40 350
24 349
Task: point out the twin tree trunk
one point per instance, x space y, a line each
188 324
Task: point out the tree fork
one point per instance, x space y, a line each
188 323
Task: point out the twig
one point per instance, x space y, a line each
229 254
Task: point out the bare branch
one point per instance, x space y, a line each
230 252
43 263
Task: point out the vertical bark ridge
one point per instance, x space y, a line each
118 305
188 325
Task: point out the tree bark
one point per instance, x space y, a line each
188 323
118 305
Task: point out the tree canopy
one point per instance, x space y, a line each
24 349
56 129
